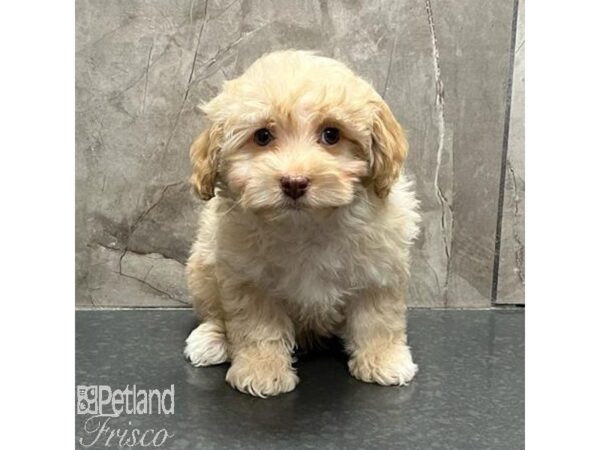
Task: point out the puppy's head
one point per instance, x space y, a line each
297 131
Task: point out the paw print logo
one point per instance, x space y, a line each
87 399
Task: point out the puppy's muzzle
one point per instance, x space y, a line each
294 186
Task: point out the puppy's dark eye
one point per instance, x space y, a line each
262 137
330 136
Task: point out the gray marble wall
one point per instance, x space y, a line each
445 67
511 255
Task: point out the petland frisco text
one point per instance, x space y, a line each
103 404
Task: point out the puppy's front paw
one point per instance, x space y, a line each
393 366
262 378
206 345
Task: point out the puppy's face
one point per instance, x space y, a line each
299 132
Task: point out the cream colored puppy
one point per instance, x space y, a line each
309 230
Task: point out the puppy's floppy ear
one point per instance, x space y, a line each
204 155
389 149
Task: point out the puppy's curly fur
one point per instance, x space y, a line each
268 270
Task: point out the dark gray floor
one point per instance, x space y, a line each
468 394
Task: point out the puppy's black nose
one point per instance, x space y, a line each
295 186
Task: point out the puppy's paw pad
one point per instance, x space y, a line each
262 380
395 369
206 345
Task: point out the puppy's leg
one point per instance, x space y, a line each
207 344
261 341
375 337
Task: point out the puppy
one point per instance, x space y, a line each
309 230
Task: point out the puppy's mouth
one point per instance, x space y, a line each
305 205
294 205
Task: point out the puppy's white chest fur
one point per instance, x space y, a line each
308 264
301 259
315 262
305 262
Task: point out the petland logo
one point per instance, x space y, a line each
103 404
